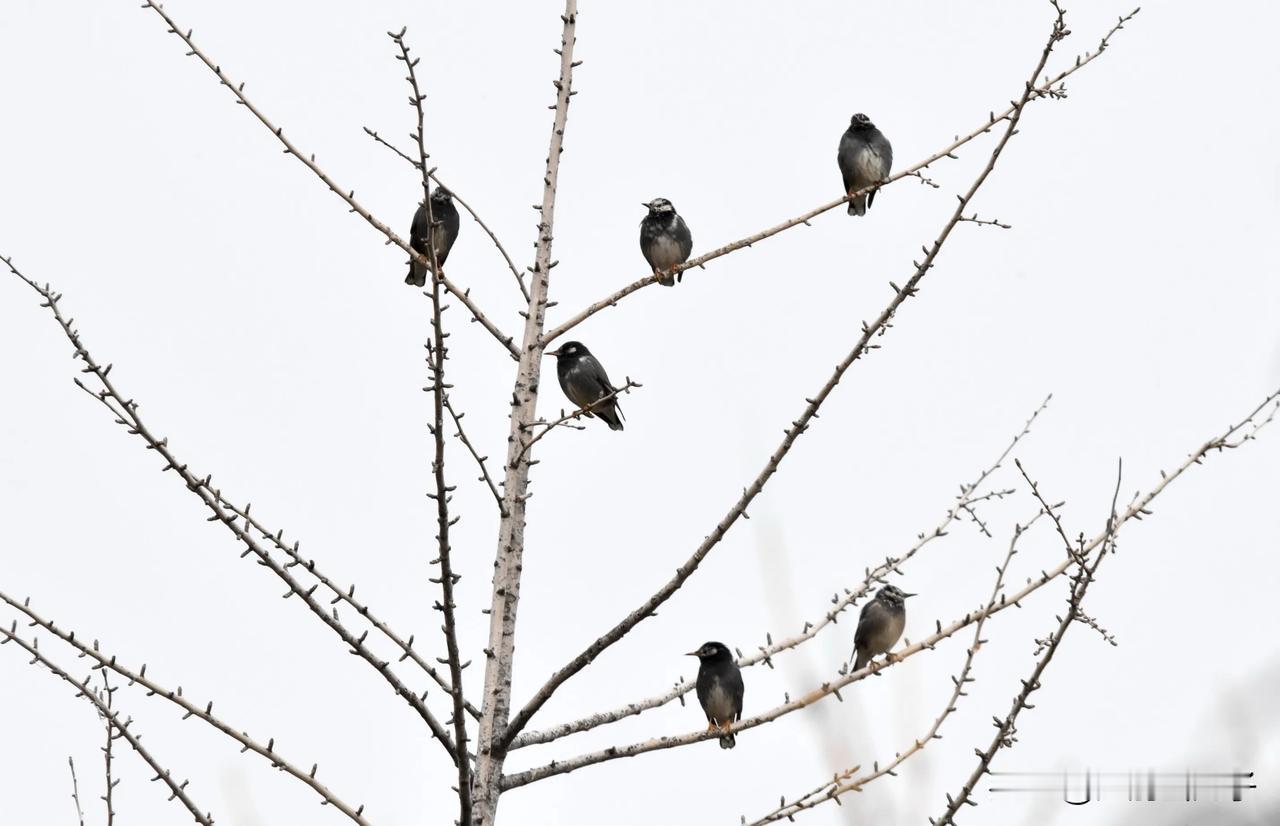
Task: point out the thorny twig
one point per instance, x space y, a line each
177 790
126 414
75 790
310 162
1006 729
524 290
843 782
437 354
585 410
205 713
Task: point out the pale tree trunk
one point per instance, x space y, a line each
496 707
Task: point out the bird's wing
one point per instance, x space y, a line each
596 375
846 157
686 238
885 150
703 687
734 684
873 614
419 229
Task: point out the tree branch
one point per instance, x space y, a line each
841 783
524 291
1138 509
436 355
178 790
967 497
75 790
310 163
1005 729
104 662
126 415
1045 89
508 565
878 327
108 694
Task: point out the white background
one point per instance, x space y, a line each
268 333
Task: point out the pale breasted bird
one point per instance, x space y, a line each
879 625
865 157
443 234
665 239
719 689
583 380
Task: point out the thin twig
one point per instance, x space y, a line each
841 783
437 353
177 790
190 709
475 215
1006 729
475 454
126 414
585 410
108 798
1048 88
310 162
75 790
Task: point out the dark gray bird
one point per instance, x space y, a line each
879 625
865 157
444 233
719 689
583 380
665 239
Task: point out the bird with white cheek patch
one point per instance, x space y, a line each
719 689
665 240
865 158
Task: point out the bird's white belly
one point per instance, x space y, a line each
720 703
665 252
870 165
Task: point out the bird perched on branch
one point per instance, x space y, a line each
584 381
443 234
665 239
719 689
865 157
879 625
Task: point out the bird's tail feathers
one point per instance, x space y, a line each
858 206
728 741
417 275
859 661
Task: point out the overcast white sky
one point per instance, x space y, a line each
268 334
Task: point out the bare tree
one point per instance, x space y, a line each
478 732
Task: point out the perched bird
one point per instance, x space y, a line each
664 239
864 158
879 625
584 381
719 689
443 234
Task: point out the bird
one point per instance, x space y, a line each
865 157
665 239
443 234
879 625
584 381
719 689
